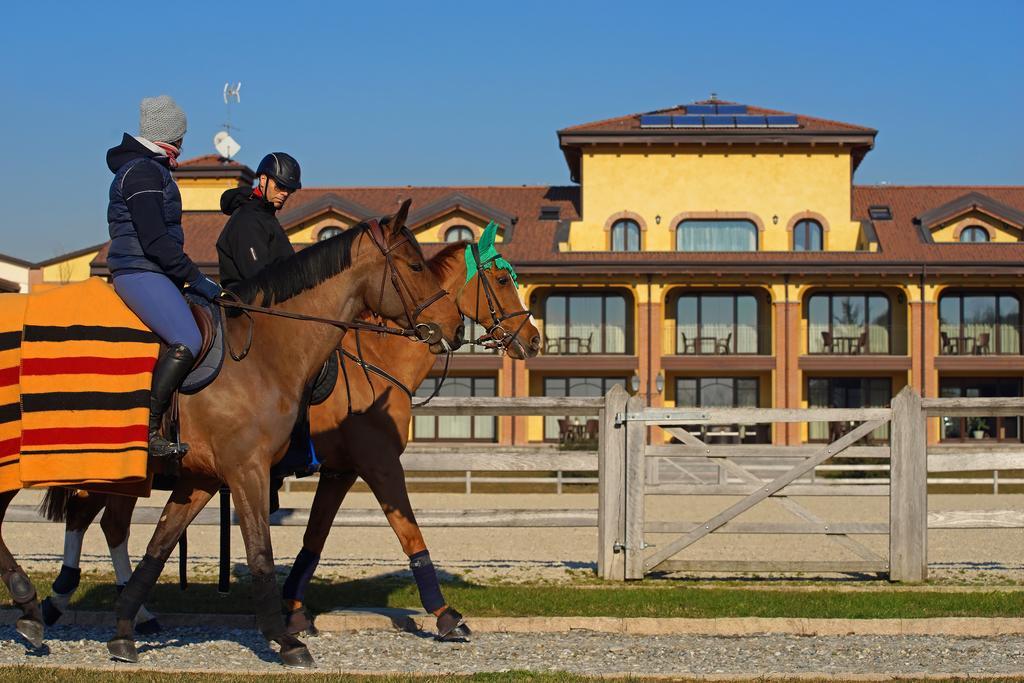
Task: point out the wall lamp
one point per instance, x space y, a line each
657 219
659 382
634 383
775 219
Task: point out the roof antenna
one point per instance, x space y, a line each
223 142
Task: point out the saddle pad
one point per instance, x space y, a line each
86 371
209 367
325 382
12 314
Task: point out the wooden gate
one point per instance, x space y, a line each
624 528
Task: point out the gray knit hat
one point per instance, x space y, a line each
161 119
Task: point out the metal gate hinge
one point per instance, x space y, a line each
618 547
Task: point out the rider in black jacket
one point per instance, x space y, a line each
253 238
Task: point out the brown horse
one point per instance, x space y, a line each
241 424
489 297
362 429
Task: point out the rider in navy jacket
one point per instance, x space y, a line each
147 260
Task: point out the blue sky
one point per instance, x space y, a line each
472 93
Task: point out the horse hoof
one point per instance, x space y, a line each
51 615
300 623
297 657
31 630
451 626
123 650
148 628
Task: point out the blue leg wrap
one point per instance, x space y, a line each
67 581
300 575
426 580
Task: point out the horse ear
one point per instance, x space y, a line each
487 238
398 221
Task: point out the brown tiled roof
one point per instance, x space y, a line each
532 244
210 160
523 203
631 122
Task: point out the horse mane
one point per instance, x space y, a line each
306 269
442 263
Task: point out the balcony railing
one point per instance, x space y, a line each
716 339
856 340
981 339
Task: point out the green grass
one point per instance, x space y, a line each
650 599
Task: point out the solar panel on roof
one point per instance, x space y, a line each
718 121
732 109
700 109
748 121
688 121
782 121
655 121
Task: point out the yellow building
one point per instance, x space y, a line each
714 254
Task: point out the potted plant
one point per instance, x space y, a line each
977 426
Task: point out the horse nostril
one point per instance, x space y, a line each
535 342
460 334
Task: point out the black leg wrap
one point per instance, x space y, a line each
138 587
267 606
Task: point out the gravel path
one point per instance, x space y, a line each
220 650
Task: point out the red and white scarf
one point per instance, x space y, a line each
164 149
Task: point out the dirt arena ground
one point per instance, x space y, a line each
960 556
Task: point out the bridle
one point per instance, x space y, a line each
428 333
496 337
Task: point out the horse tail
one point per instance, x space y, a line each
55 504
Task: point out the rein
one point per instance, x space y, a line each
426 333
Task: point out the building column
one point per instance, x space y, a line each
923 349
787 371
512 430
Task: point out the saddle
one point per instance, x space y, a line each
211 354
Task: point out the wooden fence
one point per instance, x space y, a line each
630 473
631 466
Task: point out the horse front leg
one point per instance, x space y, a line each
330 493
386 478
116 523
189 497
250 493
30 623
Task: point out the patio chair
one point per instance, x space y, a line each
981 343
947 344
592 429
688 347
827 343
551 345
724 345
564 430
861 344
584 344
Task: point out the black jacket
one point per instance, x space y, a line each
252 239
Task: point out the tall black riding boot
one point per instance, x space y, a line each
170 371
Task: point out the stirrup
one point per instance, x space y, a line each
160 447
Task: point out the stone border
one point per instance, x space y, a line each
415 620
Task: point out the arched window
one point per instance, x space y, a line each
716 235
458 233
625 236
807 236
328 232
974 233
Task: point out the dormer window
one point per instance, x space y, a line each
458 233
328 232
974 233
716 235
880 213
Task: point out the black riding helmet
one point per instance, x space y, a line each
283 169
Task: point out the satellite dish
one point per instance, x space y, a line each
226 145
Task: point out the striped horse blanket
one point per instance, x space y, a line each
75 372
